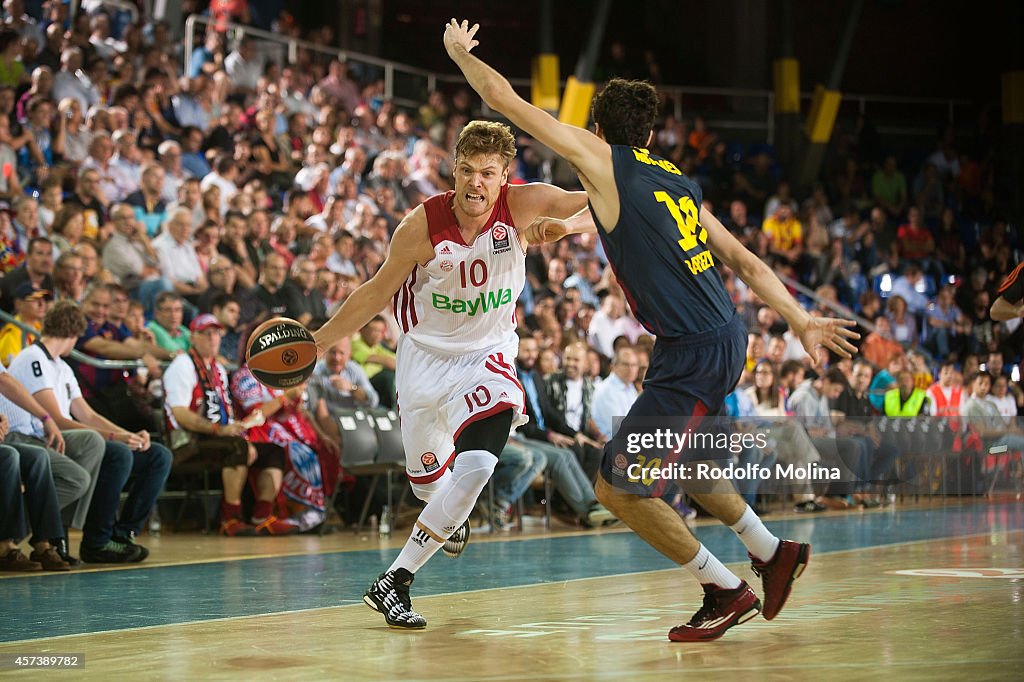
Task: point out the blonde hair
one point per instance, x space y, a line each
486 137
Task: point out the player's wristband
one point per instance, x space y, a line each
45 417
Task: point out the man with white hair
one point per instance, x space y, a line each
70 81
127 161
169 157
177 254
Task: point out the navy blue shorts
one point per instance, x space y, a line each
688 379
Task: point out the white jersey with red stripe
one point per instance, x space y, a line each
464 299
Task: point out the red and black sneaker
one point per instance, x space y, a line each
778 573
721 610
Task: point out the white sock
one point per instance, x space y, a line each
706 568
449 507
417 551
758 539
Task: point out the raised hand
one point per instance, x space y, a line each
830 333
456 34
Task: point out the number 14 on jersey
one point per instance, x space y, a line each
685 213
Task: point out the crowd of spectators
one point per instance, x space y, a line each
180 210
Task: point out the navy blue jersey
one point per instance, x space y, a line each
659 250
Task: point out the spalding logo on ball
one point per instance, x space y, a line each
281 353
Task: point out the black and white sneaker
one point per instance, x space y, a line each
389 594
456 544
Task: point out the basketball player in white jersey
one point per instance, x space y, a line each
456 266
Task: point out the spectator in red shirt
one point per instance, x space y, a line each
917 244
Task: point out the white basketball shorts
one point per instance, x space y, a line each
439 395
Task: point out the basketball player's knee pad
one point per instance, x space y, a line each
426 491
453 503
472 471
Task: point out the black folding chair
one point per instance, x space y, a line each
359 448
391 456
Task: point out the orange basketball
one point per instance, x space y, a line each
281 353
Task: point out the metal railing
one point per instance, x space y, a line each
120 5
737 109
388 70
76 354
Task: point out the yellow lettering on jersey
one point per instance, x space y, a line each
686 214
644 156
701 262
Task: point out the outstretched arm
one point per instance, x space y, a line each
544 229
409 246
1002 310
829 332
581 148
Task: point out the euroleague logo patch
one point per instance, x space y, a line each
289 357
429 461
500 238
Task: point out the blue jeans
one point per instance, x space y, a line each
517 467
29 466
566 473
149 469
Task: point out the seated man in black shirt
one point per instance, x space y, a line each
304 280
858 424
273 296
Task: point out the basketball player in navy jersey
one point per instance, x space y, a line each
664 248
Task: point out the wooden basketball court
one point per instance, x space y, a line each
928 592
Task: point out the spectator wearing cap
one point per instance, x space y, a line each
37 270
166 325
202 429
30 306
